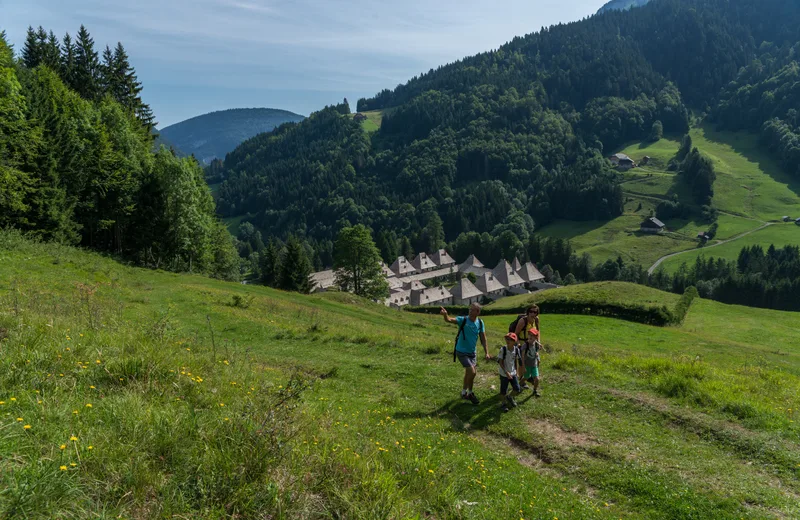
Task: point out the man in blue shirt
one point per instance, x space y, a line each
470 328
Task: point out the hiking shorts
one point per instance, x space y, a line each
468 360
504 381
531 372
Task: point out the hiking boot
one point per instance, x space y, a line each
512 402
505 407
472 398
524 386
536 393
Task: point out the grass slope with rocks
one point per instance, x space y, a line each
138 394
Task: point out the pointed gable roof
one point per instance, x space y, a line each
465 290
442 258
473 265
430 296
422 262
402 267
516 265
506 275
414 286
487 283
529 273
386 271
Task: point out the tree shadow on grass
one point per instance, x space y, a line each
465 416
746 145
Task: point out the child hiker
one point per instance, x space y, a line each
530 354
507 359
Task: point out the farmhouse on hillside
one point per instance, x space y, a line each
787 218
622 161
652 225
359 117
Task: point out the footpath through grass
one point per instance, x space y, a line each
332 407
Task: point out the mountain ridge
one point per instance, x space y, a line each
213 135
621 5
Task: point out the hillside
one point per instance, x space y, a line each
490 148
149 394
213 135
621 5
751 190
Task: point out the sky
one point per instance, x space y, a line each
198 56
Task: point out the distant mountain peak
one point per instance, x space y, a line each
621 5
213 135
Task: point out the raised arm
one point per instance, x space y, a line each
447 318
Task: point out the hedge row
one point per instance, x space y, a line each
649 315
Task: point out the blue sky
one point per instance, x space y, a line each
197 56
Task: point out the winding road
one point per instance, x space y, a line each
737 237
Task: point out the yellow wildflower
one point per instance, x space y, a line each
27 427
62 447
90 447
62 468
88 405
73 438
19 419
92 387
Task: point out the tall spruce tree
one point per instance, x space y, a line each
87 66
51 52
31 51
68 61
270 262
295 268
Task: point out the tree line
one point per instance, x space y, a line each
77 166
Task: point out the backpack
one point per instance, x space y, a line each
513 326
460 332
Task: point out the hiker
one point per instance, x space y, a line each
520 327
530 356
507 359
470 328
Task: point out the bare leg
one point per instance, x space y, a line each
469 378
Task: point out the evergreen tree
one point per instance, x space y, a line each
67 69
31 51
87 66
295 268
357 262
270 262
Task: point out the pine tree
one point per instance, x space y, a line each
87 66
270 261
68 61
31 51
295 268
51 52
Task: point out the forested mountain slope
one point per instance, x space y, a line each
503 140
619 5
213 135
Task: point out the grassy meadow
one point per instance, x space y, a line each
779 235
751 189
127 393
